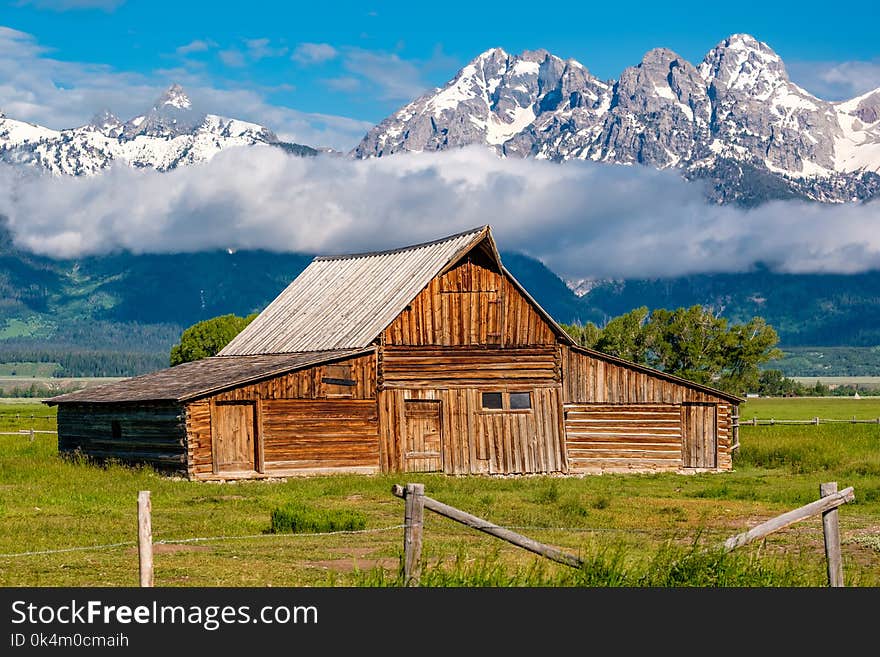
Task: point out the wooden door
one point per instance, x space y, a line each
423 445
234 437
699 429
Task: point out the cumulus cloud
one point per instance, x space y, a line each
395 78
313 53
59 94
582 219
198 45
837 80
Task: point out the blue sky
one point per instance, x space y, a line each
323 72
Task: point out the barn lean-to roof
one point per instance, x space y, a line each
203 377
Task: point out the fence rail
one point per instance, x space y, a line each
30 433
755 422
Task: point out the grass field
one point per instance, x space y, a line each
646 530
806 408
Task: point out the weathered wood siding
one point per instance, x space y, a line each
471 304
474 440
310 383
131 433
320 418
623 436
590 380
339 433
445 367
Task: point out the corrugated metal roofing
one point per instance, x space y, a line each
198 378
344 302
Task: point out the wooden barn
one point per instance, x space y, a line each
426 358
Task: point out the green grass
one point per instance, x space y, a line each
22 370
806 408
296 518
632 530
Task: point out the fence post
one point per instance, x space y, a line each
412 533
145 538
32 434
816 421
831 530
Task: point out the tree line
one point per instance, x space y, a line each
86 363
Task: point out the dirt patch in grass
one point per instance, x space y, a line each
356 559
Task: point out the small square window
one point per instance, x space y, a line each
116 429
520 400
492 400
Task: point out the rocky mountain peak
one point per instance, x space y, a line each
742 63
174 96
172 115
106 122
736 119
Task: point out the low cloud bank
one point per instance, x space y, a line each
581 219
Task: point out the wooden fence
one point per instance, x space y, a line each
25 432
416 502
754 422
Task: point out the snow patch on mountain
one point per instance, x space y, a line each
736 106
172 133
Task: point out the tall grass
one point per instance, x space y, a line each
613 565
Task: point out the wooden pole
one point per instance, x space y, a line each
831 530
499 532
827 503
32 434
412 533
145 538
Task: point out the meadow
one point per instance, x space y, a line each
71 523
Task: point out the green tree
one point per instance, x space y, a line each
748 346
586 335
687 342
208 337
626 336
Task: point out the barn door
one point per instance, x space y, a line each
234 437
699 445
423 436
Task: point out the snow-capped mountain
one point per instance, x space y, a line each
170 134
735 119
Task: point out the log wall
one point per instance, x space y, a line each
623 436
471 304
306 421
444 367
590 380
153 434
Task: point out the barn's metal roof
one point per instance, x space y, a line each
345 302
202 377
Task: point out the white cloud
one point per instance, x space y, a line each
258 49
232 57
313 53
198 45
396 79
836 80
58 94
582 219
